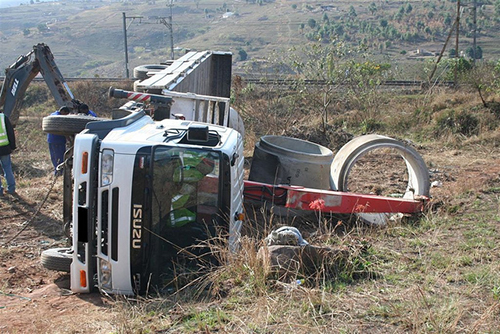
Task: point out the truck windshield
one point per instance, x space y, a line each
185 186
184 209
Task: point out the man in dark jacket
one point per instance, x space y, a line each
57 144
7 145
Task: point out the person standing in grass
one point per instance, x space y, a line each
57 144
7 145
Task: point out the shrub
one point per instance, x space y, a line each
461 122
36 94
371 125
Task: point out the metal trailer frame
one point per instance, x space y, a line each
309 199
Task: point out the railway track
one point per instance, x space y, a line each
265 81
394 83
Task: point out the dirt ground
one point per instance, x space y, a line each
36 300
32 298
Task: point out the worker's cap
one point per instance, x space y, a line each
83 108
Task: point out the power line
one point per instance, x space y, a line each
125 27
169 25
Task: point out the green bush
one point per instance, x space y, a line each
36 94
461 122
371 125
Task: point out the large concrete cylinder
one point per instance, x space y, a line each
291 161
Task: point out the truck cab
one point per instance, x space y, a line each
149 196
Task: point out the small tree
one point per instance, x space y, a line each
372 8
311 23
242 54
484 78
497 8
42 27
335 66
447 19
352 12
470 52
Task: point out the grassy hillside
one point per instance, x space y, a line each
87 37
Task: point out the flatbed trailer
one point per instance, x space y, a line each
329 201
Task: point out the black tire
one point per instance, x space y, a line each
141 72
68 229
66 125
58 259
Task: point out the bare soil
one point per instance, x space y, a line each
32 298
36 300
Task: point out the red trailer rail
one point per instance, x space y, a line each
308 199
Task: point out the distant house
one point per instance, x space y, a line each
424 53
327 8
421 53
227 15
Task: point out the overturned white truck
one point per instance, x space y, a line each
163 175
144 191
168 173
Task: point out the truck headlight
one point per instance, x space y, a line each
107 162
105 274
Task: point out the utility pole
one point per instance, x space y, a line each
125 27
442 51
456 43
474 34
170 28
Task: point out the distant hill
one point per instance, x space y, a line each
87 37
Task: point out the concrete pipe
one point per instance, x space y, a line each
292 161
346 157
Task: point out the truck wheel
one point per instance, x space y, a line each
66 125
58 259
68 229
141 72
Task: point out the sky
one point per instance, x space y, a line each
13 3
10 3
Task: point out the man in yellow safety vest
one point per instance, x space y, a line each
7 145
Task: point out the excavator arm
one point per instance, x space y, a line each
20 74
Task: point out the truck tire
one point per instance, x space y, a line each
141 72
66 125
58 259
